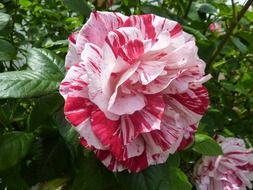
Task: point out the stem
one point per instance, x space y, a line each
208 23
234 11
229 32
137 8
188 8
12 34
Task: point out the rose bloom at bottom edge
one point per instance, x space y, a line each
231 171
133 88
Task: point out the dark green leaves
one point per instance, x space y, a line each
207 8
46 61
57 183
4 19
237 42
199 36
47 72
7 51
52 156
206 145
23 84
178 179
153 178
13 147
91 174
79 6
160 177
147 9
44 107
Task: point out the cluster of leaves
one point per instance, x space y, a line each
39 149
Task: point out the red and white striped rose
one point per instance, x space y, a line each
133 88
231 171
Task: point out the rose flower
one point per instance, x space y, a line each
231 171
133 88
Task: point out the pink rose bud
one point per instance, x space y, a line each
215 27
231 171
133 88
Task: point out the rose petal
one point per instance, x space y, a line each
99 89
131 51
195 100
75 82
192 103
128 103
111 104
224 171
72 57
77 109
149 118
97 27
109 133
117 38
149 71
86 132
159 84
134 164
134 90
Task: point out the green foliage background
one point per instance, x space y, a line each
40 151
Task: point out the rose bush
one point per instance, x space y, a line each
231 171
133 88
39 149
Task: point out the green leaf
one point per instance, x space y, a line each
152 178
55 184
160 177
53 160
224 10
228 86
178 180
249 15
3 119
173 160
212 121
196 33
207 8
4 19
205 50
237 42
50 43
44 107
13 147
91 174
13 179
125 2
79 6
25 3
46 61
206 145
218 63
67 132
47 71
23 84
147 8
7 51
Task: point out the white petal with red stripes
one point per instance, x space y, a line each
231 171
133 88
